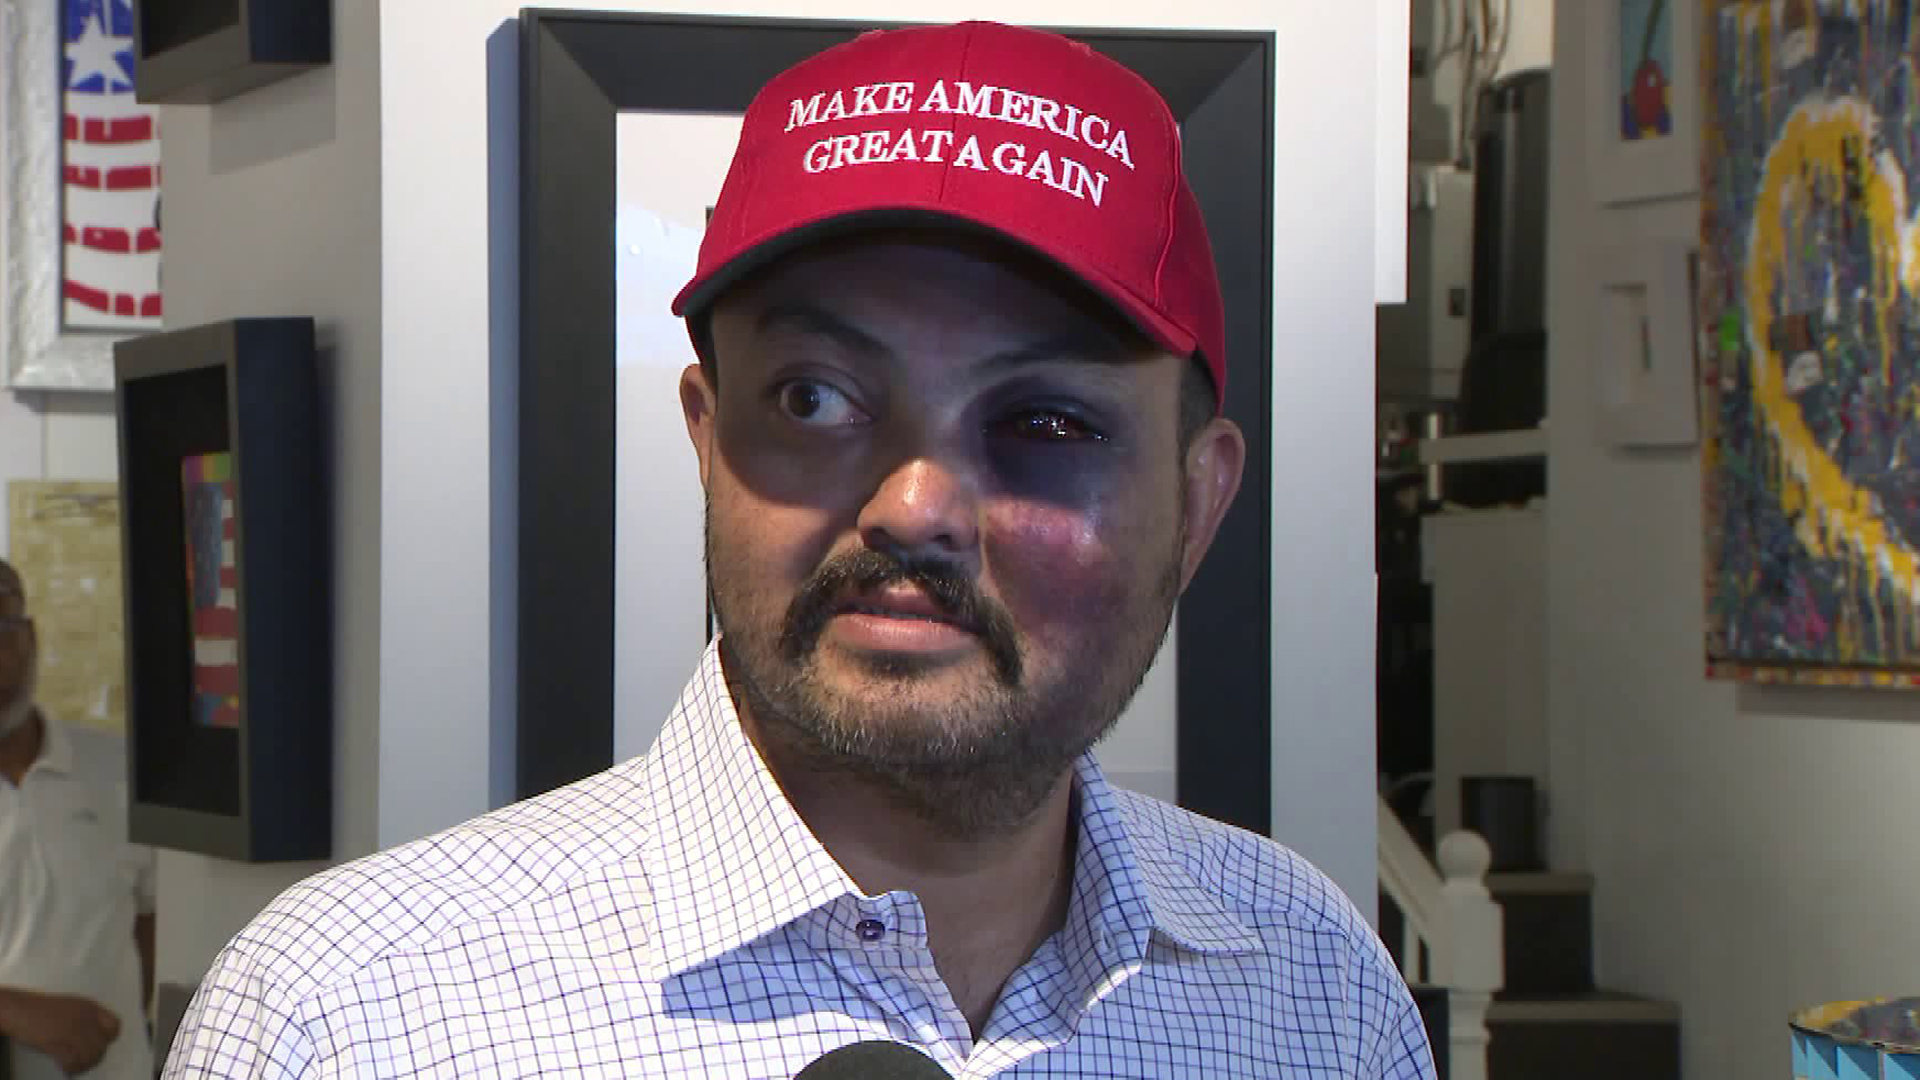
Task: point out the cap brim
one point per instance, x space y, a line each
703 290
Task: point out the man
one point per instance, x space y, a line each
956 413
76 900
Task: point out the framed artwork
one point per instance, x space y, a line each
228 639
82 232
1812 395
64 538
1645 370
206 481
1641 108
202 51
579 71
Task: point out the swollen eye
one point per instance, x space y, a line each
1050 426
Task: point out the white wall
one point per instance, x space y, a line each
1754 848
272 206
49 435
434 267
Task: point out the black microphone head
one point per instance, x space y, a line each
874 1060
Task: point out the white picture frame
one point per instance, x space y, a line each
1658 165
38 353
1646 371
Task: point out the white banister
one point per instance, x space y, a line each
1449 910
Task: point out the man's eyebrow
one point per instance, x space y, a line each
810 318
1081 345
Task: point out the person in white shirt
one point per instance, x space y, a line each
76 899
957 412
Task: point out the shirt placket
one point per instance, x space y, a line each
880 945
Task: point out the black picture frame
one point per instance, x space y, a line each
195 52
577 71
261 792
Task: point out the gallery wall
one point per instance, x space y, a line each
272 208
1753 847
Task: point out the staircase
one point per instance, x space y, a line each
1549 1020
1542 1017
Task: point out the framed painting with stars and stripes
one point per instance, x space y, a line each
82 158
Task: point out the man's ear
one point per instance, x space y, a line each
700 404
1214 462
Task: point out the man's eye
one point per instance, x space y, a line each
1048 425
817 403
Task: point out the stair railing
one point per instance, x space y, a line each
1451 913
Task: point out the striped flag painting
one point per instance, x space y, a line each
110 164
207 482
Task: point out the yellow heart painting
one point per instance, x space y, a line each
1810 291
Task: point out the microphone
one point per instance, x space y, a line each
874 1059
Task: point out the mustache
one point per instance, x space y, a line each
824 593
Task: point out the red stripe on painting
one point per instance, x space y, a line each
70 127
210 623
146 240
66 234
227 716
88 296
224 679
147 307
125 129
86 176
117 241
132 178
229 577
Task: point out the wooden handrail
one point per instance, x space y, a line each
1450 911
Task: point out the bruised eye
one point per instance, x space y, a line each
1049 425
817 403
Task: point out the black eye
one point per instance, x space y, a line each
1049 425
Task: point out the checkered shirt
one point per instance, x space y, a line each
674 917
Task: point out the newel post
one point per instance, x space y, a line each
1472 965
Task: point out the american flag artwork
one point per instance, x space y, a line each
110 163
206 481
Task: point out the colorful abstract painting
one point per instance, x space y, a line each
110 212
1811 298
207 482
1646 69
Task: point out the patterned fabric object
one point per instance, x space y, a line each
674 917
110 204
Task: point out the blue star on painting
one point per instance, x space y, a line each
98 53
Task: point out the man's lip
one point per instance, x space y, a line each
903 602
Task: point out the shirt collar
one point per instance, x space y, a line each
56 748
1129 883
729 860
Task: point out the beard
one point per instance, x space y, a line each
974 761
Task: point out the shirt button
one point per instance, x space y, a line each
870 929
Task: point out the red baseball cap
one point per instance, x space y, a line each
1021 133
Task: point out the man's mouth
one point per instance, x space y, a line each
900 602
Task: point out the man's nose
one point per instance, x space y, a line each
926 505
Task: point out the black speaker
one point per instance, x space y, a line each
1510 207
1505 811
